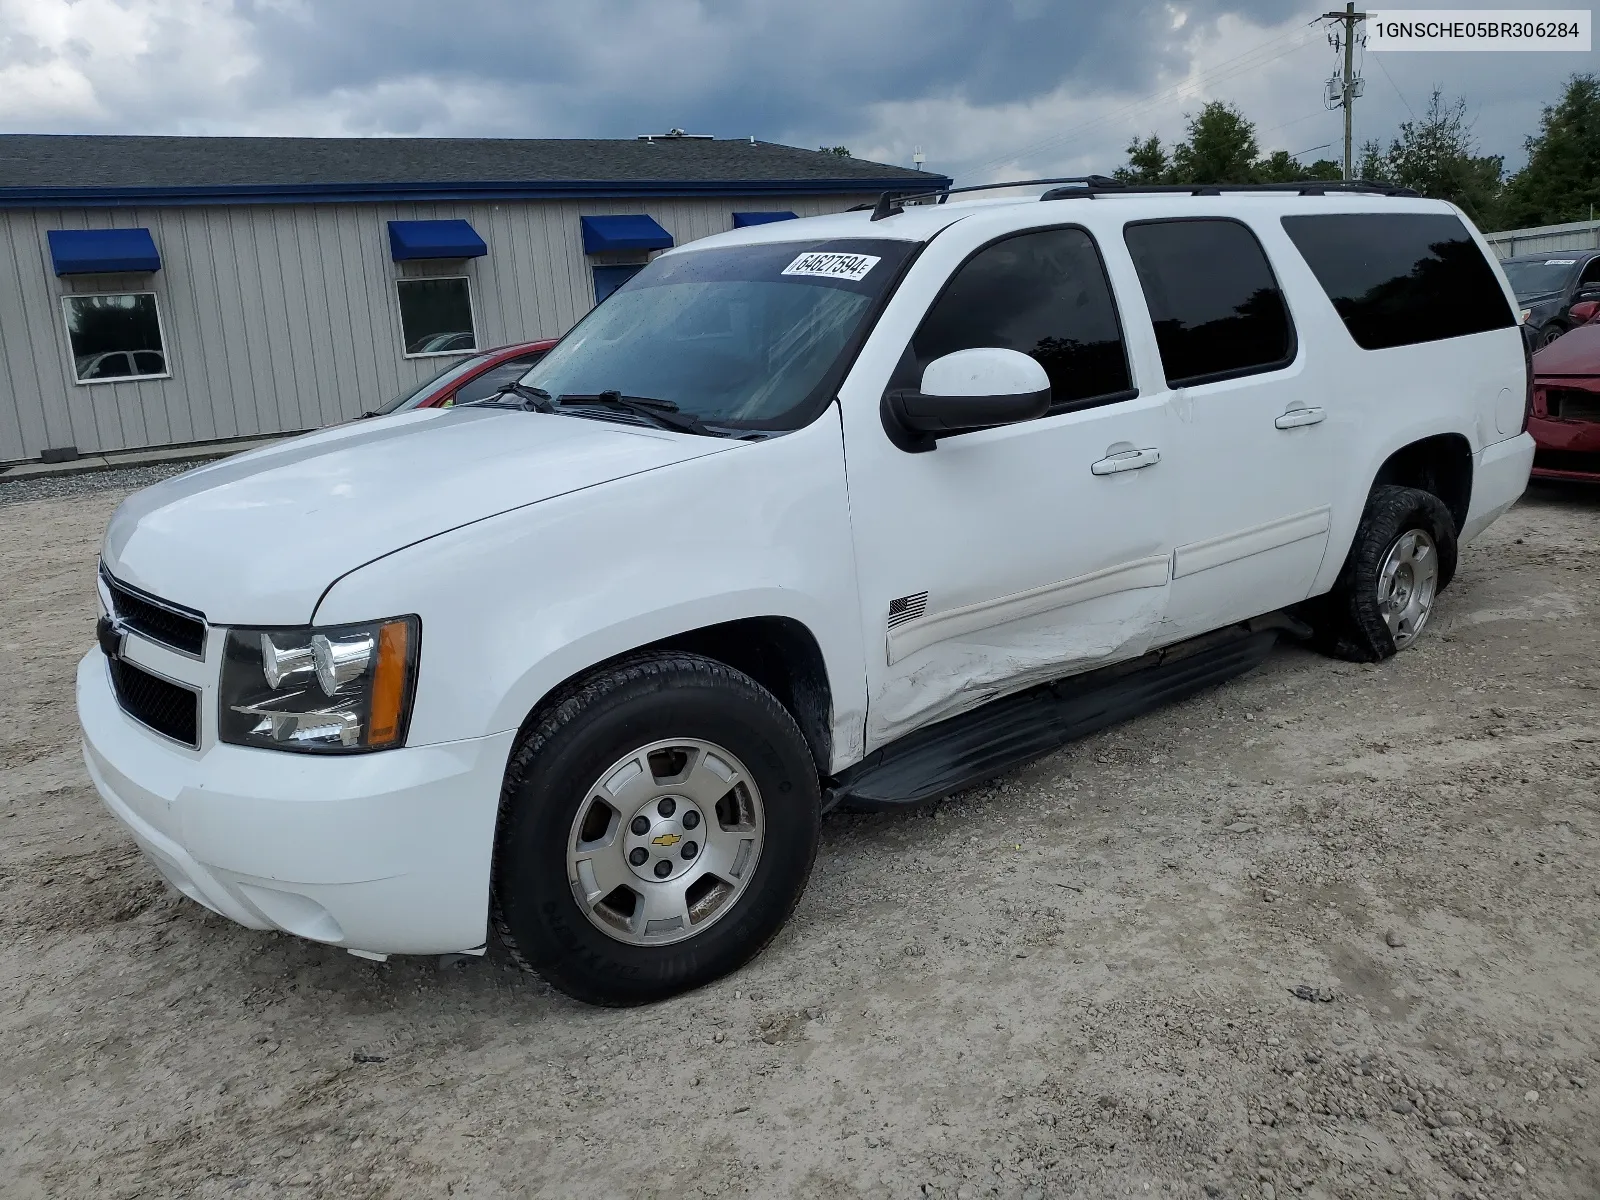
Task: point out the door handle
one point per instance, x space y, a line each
1297 417
1128 460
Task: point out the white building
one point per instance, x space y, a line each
167 290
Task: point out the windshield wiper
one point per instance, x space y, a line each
529 399
663 414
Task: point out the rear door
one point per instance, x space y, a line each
1256 438
1019 553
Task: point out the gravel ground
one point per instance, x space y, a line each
1328 931
84 483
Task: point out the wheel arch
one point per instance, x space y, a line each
780 653
1440 464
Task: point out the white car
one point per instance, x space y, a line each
852 509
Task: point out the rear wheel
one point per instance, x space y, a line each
1403 556
658 825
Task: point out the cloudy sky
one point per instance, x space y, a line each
986 88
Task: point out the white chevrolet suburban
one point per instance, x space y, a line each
854 509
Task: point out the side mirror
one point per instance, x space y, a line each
972 389
1584 311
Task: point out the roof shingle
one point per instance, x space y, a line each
62 162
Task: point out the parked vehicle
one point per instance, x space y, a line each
469 379
1548 285
856 509
1565 416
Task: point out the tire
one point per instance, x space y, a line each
676 723
1351 621
1548 334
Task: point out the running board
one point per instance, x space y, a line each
1016 729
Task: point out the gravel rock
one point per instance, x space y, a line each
1393 939
57 487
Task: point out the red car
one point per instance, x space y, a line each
467 379
1565 417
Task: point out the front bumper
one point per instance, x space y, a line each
387 853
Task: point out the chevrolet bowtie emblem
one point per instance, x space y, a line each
666 839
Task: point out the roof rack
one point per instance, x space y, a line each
1089 186
890 203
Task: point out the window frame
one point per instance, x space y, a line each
72 358
1131 392
1292 354
472 310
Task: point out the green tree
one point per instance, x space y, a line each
1147 163
1282 167
1372 166
1437 156
1221 147
841 151
1562 179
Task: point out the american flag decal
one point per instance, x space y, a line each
907 608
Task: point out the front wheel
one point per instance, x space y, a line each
658 825
1403 556
1549 334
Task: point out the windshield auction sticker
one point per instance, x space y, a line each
830 264
1479 29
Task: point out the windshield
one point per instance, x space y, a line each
745 336
1535 277
419 392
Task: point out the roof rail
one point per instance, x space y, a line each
1089 186
1302 187
890 203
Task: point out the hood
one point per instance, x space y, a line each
257 539
1574 353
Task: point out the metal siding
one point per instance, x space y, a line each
278 318
1545 239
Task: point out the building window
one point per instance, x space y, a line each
436 316
115 337
609 279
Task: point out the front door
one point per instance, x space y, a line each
1253 456
1011 555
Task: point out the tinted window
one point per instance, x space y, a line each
495 378
435 316
1536 277
104 329
1044 294
1401 278
609 279
1213 299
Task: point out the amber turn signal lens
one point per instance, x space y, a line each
389 684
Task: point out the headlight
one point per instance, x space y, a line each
335 690
1522 317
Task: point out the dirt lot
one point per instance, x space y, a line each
1079 981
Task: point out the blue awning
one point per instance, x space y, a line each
87 251
601 234
434 239
740 220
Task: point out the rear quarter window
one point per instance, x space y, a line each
1398 279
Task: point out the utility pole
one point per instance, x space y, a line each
1349 87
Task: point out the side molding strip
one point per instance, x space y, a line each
1230 547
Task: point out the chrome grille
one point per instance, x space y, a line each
173 626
